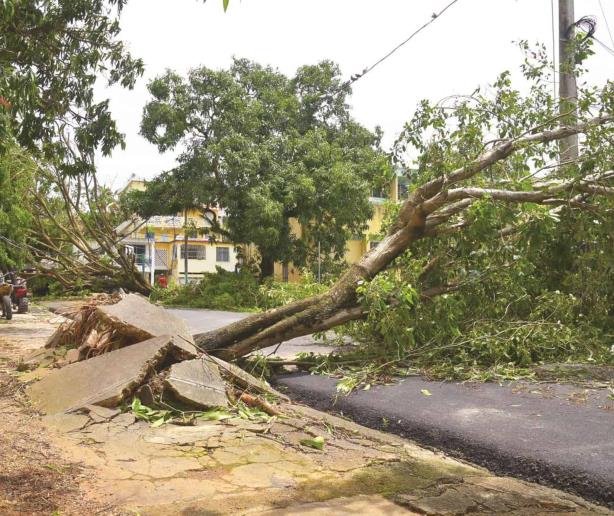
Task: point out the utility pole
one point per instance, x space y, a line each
185 246
568 89
152 260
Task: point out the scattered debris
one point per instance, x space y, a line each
253 401
123 350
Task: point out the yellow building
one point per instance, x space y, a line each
355 247
163 238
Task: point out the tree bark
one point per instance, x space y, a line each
267 267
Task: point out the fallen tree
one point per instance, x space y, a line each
434 208
474 152
78 232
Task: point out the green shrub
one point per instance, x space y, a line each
275 293
241 292
222 290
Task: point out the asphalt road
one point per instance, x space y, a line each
561 436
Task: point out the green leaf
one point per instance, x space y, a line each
159 422
215 415
226 2
426 392
316 442
347 385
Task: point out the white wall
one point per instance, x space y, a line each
209 263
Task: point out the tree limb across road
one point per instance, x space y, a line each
425 213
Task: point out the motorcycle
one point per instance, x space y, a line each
6 291
20 296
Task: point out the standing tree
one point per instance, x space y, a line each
51 54
268 149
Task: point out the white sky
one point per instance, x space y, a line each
468 46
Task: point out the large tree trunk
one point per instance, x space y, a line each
424 213
267 267
317 313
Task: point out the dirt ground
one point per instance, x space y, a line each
35 478
103 461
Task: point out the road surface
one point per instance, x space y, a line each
558 435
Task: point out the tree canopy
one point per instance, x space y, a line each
266 148
52 52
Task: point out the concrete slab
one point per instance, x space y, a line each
197 382
245 380
104 380
140 319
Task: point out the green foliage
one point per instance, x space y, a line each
317 443
17 171
241 292
525 283
51 53
267 148
222 290
158 417
275 293
153 416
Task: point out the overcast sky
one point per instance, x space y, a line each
468 46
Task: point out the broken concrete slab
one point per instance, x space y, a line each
197 382
104 380
136 317
238 376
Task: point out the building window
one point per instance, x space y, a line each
195 252
222 254
140 253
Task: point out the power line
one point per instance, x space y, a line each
606 22
434 17
610 50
